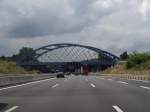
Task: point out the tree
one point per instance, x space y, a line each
124 55
14 57
3 58
25 54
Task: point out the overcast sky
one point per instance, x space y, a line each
112 25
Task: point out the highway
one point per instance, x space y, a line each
77 94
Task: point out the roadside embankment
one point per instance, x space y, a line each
11 80
136 66
11 74
121 71
7 68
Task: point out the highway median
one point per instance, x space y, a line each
13 80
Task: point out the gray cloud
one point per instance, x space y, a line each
63 17
113 25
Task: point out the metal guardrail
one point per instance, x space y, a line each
129 76
11 80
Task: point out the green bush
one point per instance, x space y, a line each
138 60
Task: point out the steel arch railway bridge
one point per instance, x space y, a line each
68 57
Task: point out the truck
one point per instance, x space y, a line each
85 69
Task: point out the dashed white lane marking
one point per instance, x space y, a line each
100 77
11 109
117 108
110 79
55 85
25 84
122 82
145 87
92 85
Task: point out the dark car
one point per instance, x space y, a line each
60 75
67 73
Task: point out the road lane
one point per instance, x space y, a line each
75 94
24 84
24 93
133 82
131 97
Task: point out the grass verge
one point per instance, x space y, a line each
10 68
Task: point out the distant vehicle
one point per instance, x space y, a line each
60 75
67 73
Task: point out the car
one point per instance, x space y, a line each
67 73
60 75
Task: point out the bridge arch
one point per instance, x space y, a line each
74 54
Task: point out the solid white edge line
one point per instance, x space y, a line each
145 87
92 85
139 80
55 85
117 108
25 84
122 82
11 109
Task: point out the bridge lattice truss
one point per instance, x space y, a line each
65 53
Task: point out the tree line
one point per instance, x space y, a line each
25 51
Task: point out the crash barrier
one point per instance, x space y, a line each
130 76
11 80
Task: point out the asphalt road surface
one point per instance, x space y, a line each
77 94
